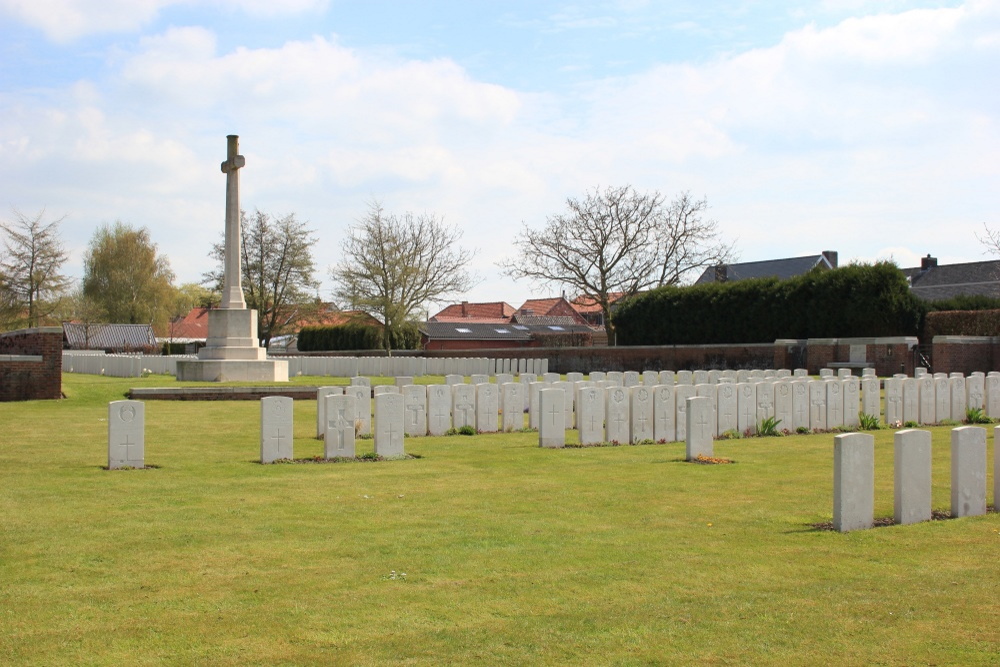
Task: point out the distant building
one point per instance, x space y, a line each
782 269
112 338
495 312
482 335
933 282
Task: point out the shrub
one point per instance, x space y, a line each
976 416
768 427
867 422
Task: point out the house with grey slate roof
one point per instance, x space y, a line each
932 282
782 269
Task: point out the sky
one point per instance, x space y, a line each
871 128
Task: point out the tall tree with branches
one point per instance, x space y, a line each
616 242
125 278
30 278
277 263
393 265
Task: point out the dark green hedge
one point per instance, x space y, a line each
355 337
856 300
961 323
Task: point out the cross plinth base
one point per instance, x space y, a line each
232 353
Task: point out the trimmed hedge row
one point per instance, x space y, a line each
355 337
853 301
961 323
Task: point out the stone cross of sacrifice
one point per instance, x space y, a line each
232 283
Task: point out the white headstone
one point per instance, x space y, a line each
975 391
800 373
682 392
590 415
911 400
403 380
338 440
598 376
710 391
570 389
728 407
667 377
454 379
513 406
834 403
912 476
928 400
321 394
817 405
991 386
362 395
843 373
276 428
527 378
893 401
958 398
534 402
438 408
631 379
641 414
968 471
746 407
871 400
616 415
359 381
765 401
463 405
853 481
852 394
825 373
698 438
487 408
664 413
800 404
684 377
699 377
552 425
784 408
551 377
389 415
574 377
385 389
415 410
126 434
919 372
942 398
617 377
479 378
650 378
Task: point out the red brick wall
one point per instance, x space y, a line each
31 380
886 357
965 354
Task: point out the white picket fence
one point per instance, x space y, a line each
134 365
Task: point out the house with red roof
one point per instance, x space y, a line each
495 312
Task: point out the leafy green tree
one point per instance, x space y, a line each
393 265
277 263
31 284
125 278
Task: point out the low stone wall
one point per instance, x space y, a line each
31 364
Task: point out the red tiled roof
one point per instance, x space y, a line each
193 325
586 304
494 312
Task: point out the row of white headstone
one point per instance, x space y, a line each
120 365
415 366
854 476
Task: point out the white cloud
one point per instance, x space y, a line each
66 20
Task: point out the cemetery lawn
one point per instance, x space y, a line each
512 554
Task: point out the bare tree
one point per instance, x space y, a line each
276 254
30 280
990 240
393 265
616 242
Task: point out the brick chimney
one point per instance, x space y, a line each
831 256
465 309
721 273
928 262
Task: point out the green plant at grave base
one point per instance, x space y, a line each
976 416
505 547
451 431
948 422
911 424
768 427
364 436
803 430
731 434
467 430
867 422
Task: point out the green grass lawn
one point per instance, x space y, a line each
513 554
